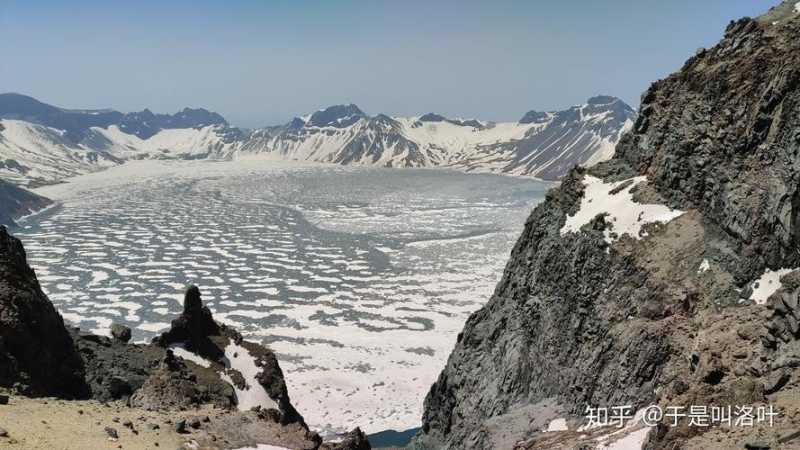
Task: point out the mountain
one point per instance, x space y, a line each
16 202
40 143
75 124
668 275
543 145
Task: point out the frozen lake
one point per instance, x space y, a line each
359 278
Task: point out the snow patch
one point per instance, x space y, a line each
558 425
240 359
623 214
767 284
704 266
180 350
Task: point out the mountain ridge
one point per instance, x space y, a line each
40 143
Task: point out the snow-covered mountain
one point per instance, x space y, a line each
40 143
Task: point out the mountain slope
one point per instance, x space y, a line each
40 143
16 202
669 275
32 154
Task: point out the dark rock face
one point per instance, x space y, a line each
37 355
583 322
16 202
721 136
113 368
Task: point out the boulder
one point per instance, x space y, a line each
120 333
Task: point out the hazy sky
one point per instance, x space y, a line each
263 62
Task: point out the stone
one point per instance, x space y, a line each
120 333
112 433
776 381
180 426
3 432
3 399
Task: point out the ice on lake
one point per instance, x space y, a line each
359 278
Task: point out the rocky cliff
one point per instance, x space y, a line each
37 355
667 275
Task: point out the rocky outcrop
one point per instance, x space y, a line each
196 332
354 440
172 385
37 355
216 367
625 311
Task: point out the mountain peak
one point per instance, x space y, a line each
533 116
338 116
432 117
602 100
20 105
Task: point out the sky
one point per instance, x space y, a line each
263 62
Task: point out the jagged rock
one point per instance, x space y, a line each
193 328
197 331
120 332
37 355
